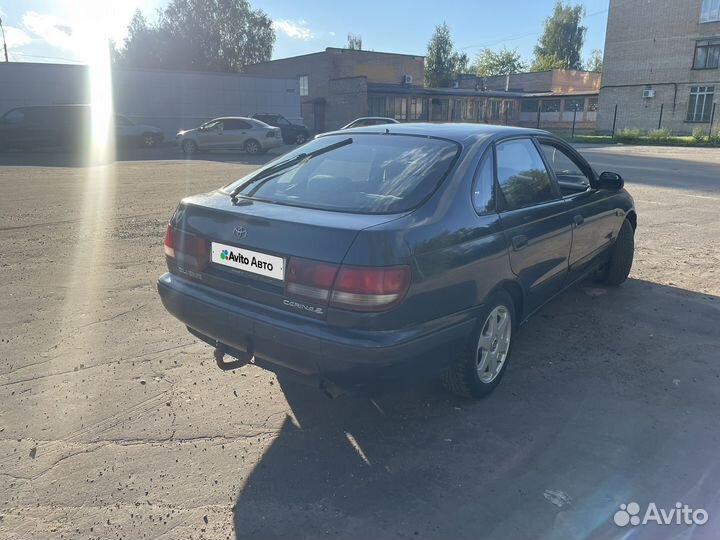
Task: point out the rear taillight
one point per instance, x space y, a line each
369 288
187 249
310 279
357 288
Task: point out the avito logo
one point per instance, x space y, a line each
681 514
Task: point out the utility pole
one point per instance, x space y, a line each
4 42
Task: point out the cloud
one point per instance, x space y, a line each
332 34
50 28
16 37
294 29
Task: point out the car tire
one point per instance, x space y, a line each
189 147
300 138
148 140
486 355
621 255
253 147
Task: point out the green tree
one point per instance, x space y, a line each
594 61
502 62
354 42
562 38
442 62
202 35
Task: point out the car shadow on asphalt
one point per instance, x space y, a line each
593 404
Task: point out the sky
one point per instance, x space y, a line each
54 30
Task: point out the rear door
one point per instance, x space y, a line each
593 217
537 227
235 133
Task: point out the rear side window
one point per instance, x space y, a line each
236 125
484 185
521 174
376 174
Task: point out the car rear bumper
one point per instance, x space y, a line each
271 142
359 360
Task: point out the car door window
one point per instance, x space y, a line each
523 178
237 125
214 126
483 191
571 175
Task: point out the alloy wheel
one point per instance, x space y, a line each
494 344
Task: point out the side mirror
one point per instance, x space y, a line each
611 181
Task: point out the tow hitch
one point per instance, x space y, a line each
242 358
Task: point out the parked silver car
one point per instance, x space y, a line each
230 133
128 132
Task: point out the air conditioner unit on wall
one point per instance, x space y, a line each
648 93
407 80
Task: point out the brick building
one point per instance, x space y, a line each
339 85
661 55
333 83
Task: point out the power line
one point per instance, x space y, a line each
46 57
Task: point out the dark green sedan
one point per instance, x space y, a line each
377 256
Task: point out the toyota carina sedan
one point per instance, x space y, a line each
374 256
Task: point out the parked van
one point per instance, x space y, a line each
66 126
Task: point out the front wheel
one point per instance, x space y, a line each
479 370
621 257
189 147
300 138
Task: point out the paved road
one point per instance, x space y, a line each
116 424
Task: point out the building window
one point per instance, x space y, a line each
707 54
376 106
700 103
710 11
529 105
303 85
399 111
457 110
593 104
509 110
572 104
550 105
415 109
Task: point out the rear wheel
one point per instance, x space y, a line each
300 138
149 140
189 147
621 257
252 147
485 358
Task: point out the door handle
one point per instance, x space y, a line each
579 220
519 242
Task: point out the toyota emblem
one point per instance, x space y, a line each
240 232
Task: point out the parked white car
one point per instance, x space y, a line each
230 133
128 132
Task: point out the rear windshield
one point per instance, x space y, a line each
376 174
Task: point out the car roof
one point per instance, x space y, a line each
373 118
454 131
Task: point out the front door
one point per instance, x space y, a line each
537 227
594 217
211 136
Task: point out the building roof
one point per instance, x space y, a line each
339 50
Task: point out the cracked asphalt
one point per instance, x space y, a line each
115 422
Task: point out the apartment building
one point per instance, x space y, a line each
661 65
